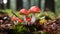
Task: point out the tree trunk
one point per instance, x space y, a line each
0 4
19 4
39 4
8 4
26 4
35 3
49 5
13 5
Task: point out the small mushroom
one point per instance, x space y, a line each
33 10
14 18
24 12
20 20
28 19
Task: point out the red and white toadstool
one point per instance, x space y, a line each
24 12
16 20
33 10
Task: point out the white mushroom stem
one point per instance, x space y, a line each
15 22
33 19
25 19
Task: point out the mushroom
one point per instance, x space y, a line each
33 10
14 18
24 12
28 19
20 20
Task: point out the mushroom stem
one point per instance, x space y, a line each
33 19
25 20
15 22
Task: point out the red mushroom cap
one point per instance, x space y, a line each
23 12
20 20
14 18
34 9
28 19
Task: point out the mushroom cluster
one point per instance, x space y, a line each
16 20
25 13
26 19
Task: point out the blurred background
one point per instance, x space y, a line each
44 5
18 4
